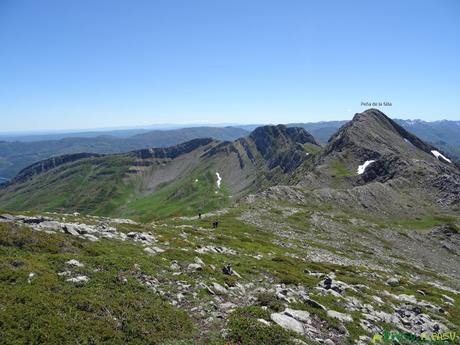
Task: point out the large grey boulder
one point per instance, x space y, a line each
339 316
287 322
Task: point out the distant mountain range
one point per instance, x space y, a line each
371 154
19 152
16 155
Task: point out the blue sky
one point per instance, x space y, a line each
95 63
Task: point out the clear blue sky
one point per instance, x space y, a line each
95 63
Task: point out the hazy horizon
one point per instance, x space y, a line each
167 126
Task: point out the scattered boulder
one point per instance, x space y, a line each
339 316
288 322
195 267
227 306
30 277
64 274
174 266
219 289
215 249
393 281
300 315
78 279
227 269
199 261
313 303
265 322
153 250
448 299
70 229
74 263
7 217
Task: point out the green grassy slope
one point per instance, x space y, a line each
194 193
93 185
106 310
99 186
113 307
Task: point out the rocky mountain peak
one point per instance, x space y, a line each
373 147
372 134
269 139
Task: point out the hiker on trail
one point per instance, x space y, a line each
215 224
199 215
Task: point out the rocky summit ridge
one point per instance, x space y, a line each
374 148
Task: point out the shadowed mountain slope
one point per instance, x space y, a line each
187 178
17 155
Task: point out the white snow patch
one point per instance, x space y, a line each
363 167
438 154
219 179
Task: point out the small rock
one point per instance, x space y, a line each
227 269
393 281
327 283
70 229
236 274
313 303
74 263
219 289
227 306
30 277
195 267
199 261
64 274
329 342
340 316
8 217
174 266
78 279
90 237
265 322
153 250
448 299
